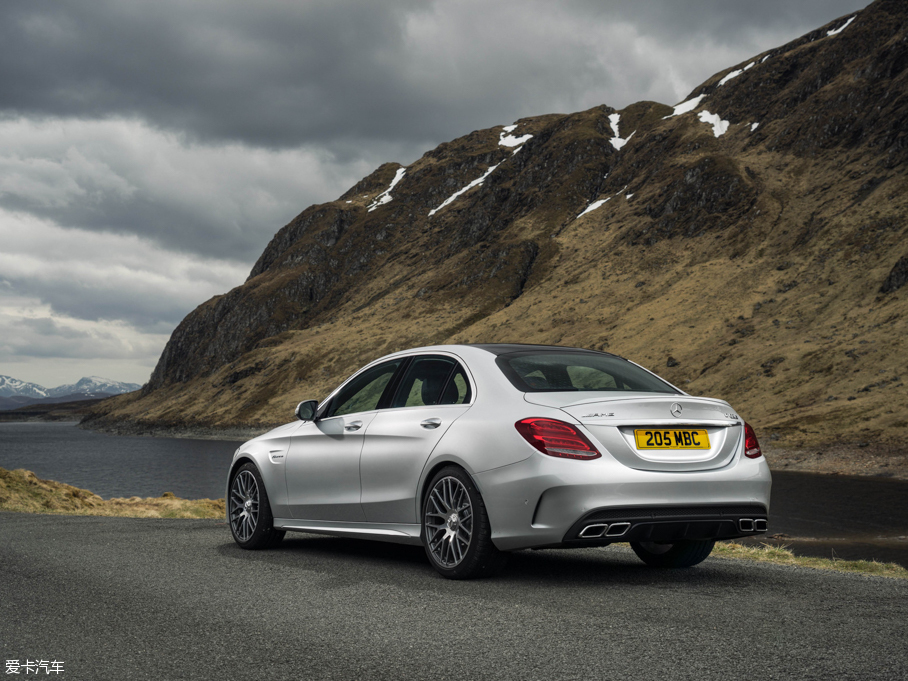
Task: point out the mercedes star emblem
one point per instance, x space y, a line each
676 409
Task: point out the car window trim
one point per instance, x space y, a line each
390 393
413 359
324 406
320 415
457 365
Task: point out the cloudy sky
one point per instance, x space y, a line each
149 150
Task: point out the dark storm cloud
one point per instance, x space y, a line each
94 277
339 73
256 72
725 21
123 177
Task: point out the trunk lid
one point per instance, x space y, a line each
612 420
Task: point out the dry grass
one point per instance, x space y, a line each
24 492
782 556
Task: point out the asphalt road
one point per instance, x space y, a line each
175 599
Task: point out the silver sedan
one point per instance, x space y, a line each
473 451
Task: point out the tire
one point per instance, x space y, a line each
249 512
682 554
456 532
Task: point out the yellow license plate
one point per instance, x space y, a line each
672 439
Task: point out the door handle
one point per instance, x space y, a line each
353 425
431 423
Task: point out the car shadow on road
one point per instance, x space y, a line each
342 561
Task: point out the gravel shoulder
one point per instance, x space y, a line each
119 598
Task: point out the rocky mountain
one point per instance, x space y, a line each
13 387
93 385
748 243
15 393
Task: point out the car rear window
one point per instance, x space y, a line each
536 372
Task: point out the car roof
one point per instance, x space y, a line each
507 348
495 349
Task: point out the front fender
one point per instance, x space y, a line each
269 454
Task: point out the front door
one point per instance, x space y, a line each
323 480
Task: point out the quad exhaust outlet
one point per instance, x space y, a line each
602 530
619 529
751 525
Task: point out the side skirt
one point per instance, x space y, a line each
390 532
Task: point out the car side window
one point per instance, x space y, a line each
457 390
424 381
363 392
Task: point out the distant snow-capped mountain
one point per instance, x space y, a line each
93 385
11 387
89 385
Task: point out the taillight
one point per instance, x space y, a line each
557 438
751 446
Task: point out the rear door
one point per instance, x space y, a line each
435 390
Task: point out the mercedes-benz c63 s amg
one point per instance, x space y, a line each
474 451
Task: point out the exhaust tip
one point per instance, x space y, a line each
759 525
592 531
746 524
617 529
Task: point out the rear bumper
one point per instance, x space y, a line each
667 524
545 501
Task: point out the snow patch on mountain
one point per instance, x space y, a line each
11 387
617 141
684 107
735 74
593 206
385 196
89 385
720 127
754 126
841 28
475 183
506 139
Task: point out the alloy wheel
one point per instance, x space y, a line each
244 505
449 522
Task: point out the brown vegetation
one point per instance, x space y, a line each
779 555
23 491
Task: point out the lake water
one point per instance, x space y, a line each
117 466
825 515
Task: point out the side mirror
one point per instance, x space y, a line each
305 411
